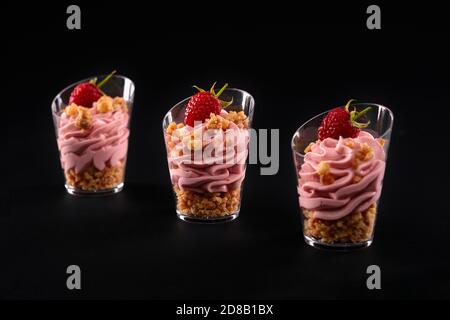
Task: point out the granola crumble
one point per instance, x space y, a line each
353 228
84 118
208 204
323 170
94 179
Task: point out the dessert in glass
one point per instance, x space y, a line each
207 137
91 120
340 159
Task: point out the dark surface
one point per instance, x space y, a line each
295 65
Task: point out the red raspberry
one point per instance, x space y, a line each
85 94
203 103
340 122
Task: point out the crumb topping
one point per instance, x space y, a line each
105 104
239 118
217 122
323 170
364 153
119 104
84 118
71 110
308 147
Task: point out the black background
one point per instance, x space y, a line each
296 61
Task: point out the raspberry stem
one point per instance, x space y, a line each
354 115
109 76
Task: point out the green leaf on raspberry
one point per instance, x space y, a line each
226 104
199 89
212 89
354 115
217 95
348 104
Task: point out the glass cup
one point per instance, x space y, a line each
207 162
340 181
93 141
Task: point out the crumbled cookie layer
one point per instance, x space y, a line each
194 142
103 105
108 104
93 179
353 228
219 122
208 204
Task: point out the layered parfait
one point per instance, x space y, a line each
340 179
92 136
207 155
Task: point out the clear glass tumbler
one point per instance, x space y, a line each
340 180
207 162
93 140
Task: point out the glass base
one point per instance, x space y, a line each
206 220
104 192
337 246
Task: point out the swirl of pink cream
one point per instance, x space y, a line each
105 142
221 170
343 196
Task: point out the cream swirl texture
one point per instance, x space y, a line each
216 164
357 168
104 143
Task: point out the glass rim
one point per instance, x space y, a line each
187 99
391 115
86 80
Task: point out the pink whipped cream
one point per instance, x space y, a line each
221 170
104 143
344 195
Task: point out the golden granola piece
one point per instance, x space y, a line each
192 143
84 118
171 128
308 147
323 170
217 122
105 104
239 118
350 143
364 153
71 110
120 103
